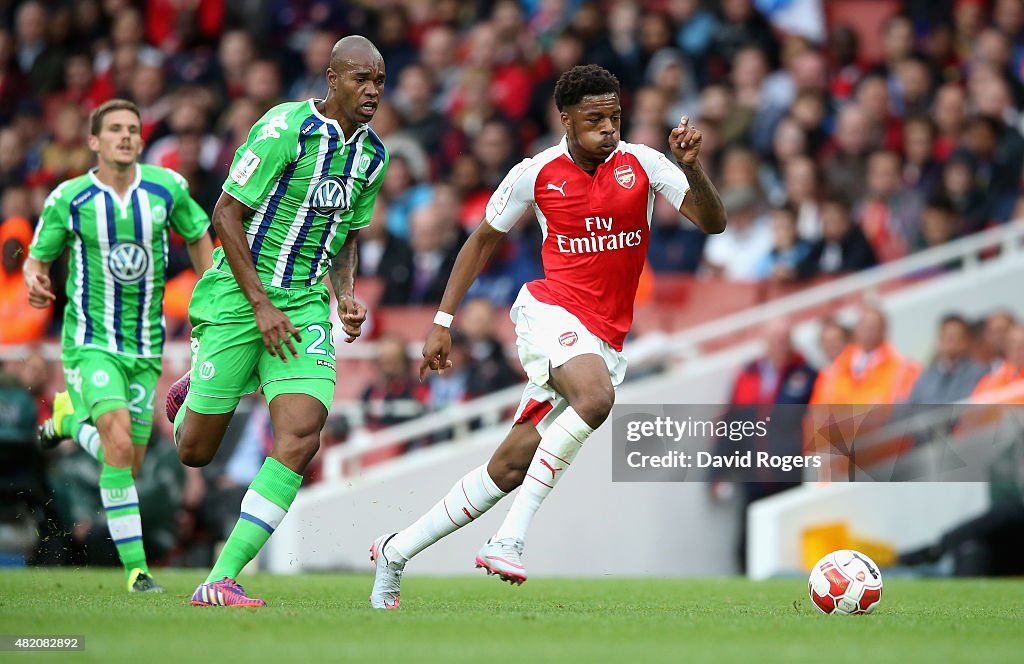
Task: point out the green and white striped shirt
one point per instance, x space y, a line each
118 255
309 186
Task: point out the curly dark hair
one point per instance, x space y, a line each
583 81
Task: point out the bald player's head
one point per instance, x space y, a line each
356 82
353 50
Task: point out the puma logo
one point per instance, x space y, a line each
544 462
560 188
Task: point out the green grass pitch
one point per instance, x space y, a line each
321 618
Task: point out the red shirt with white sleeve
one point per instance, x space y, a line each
595 227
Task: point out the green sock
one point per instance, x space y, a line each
121 502
74 427
263 507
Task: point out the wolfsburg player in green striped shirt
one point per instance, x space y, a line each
299 190
115 221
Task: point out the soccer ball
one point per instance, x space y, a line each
845 582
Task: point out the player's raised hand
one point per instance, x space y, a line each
276 329
684 141
435 351
352 315
40 292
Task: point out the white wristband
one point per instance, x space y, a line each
443 319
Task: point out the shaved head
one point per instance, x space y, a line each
355 82
353 49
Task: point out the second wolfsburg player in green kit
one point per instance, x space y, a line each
299 190
115 221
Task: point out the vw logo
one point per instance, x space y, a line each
128 262
328 196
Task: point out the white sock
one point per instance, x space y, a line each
558 447
88 439
471 496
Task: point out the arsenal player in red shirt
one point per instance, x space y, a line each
592 195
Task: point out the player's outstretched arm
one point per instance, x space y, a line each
468 265
275 327
343 279
702 204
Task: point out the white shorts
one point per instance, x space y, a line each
548 336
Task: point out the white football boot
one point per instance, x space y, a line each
388 582
504 558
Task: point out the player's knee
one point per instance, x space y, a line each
117 450
298 449
595 404
194 456
505 475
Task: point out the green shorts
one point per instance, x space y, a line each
100 381
228 356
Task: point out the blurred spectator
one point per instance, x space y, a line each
998 151
386 256
874 101
869 371
438 55
920 168
897 46
789 143
34 372
316 58
846 163
19 323
997 326
490 369
739 24
802 181
41 61
127 32
81 86
939 225
392 38
436 240
1011 370
890 214
394 396
404 190
697 26
67 155
964 192
952 375
234 53
494 148
413 99
739 252
780 376
832 340
950 112
788 248
147 91
262 84
676 246
842 247
13 85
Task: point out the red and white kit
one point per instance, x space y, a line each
596 229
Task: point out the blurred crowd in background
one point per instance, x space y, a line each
835 148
